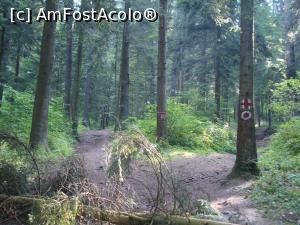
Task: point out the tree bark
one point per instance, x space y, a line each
290 39
246 159
152 81
117 90
291 71
161 73
69 62
258 111
3 56
269 115
1 59
77 78
39 128
177 57
17 71
124 72
218 74
87 93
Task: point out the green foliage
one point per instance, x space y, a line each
15 118
60 210
186 129
127 146
278 189
286 98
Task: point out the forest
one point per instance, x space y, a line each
182 112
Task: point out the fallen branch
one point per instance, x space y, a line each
114 217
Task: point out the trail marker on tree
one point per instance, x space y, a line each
162 116
246 103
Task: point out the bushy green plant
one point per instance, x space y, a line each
286 98
187 129
278 189
15 118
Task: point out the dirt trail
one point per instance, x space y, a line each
202 176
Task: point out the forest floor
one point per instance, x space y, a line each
203 177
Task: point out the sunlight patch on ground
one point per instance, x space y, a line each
183 153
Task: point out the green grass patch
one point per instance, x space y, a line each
15 118
278 189
187 131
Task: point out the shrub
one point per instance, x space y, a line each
187 129
278 189
286 98
15 118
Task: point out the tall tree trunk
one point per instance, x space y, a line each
69 62
39 128
17 71
175 74
87 93
226 116
124 72
290 39
117 89
218 74
269 114
258 111
161 73
291 71
1 65
3 56
152 81
76 84
246 159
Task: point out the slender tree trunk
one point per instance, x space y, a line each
258 111
226 116
152 81
39 128
175 74
116 94
3 56
17 71
218 75
1 65
117 90
203 79
289 40
69 63
262 109
161 73
291 71
124 72
246 159
76 84
269 115
87 93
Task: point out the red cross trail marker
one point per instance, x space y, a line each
246 103
162 115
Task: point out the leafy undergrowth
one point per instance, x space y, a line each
15 120
188 132
278 189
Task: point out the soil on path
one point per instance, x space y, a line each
204 177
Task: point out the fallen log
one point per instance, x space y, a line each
114 217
